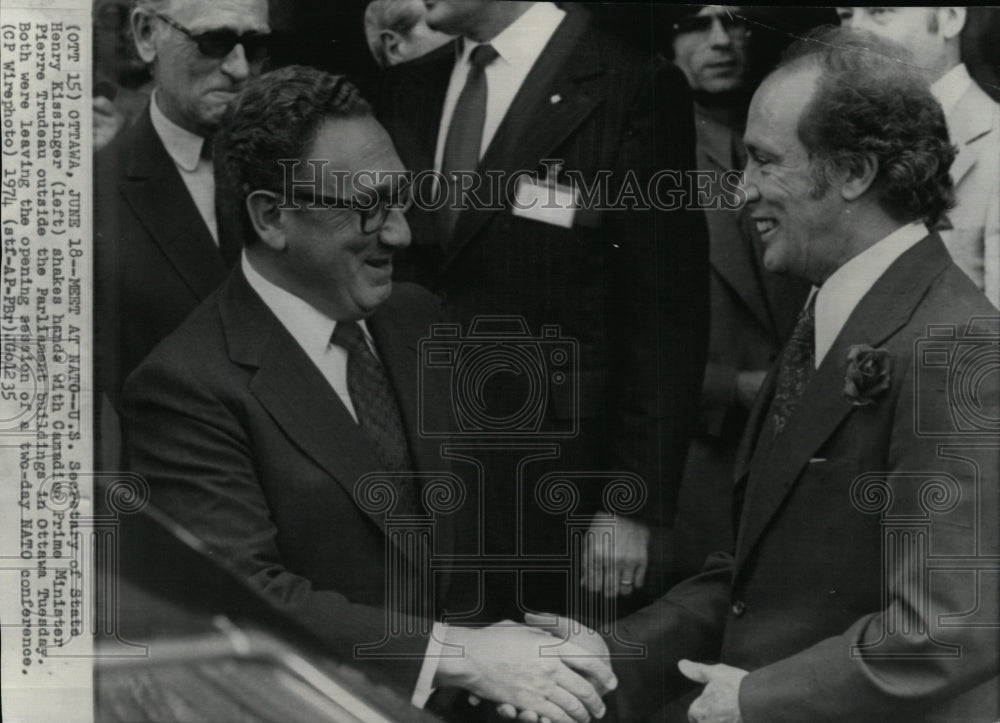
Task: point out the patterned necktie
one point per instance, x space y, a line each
377 410
465 136
798 363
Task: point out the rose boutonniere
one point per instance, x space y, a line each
869 373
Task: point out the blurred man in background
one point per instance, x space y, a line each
528 82
932 35
752 309
397 32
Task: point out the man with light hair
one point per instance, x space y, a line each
397 32
932 35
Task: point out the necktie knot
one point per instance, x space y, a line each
206 149
348 335
483 55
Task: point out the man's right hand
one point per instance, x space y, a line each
511 663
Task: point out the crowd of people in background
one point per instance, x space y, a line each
714 380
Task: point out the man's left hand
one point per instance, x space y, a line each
719 702
615 566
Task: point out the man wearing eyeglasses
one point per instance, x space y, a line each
279 417
161 246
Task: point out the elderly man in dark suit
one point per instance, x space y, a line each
279 423
863 585
159 250
534 87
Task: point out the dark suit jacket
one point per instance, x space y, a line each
244 443
155 257
628 286
753 312
808 579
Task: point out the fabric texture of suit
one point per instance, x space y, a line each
752 314
155 257
244 443
806 580
628 287
974 236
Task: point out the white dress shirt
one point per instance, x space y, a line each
843 291
184 148
312 330
519 45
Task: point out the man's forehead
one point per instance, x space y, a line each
718 10
204 15
354 145
778 104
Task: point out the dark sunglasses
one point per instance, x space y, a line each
703 23
218 44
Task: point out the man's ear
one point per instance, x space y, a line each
863 170
267 219
951 20
390 40
143 34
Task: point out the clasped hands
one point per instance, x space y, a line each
558 678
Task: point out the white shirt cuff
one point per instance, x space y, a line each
425 681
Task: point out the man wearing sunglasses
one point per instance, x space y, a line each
161 245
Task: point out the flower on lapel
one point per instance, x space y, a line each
869 373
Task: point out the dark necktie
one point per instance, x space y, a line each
465 135
798 363
377 410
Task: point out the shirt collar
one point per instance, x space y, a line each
309 326
843 291
183 146
521 42
951 86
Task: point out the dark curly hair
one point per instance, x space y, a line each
870 101
276 116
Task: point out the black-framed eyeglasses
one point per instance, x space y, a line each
217 44
703 23
373 209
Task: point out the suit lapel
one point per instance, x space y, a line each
823 406
429 77
553 100
157 194
293 391
971 120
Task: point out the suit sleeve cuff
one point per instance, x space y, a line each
425 681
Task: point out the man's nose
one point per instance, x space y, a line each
748 186
717 34
395 232
235 64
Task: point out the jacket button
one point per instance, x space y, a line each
739 607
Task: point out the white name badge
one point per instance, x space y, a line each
555 204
